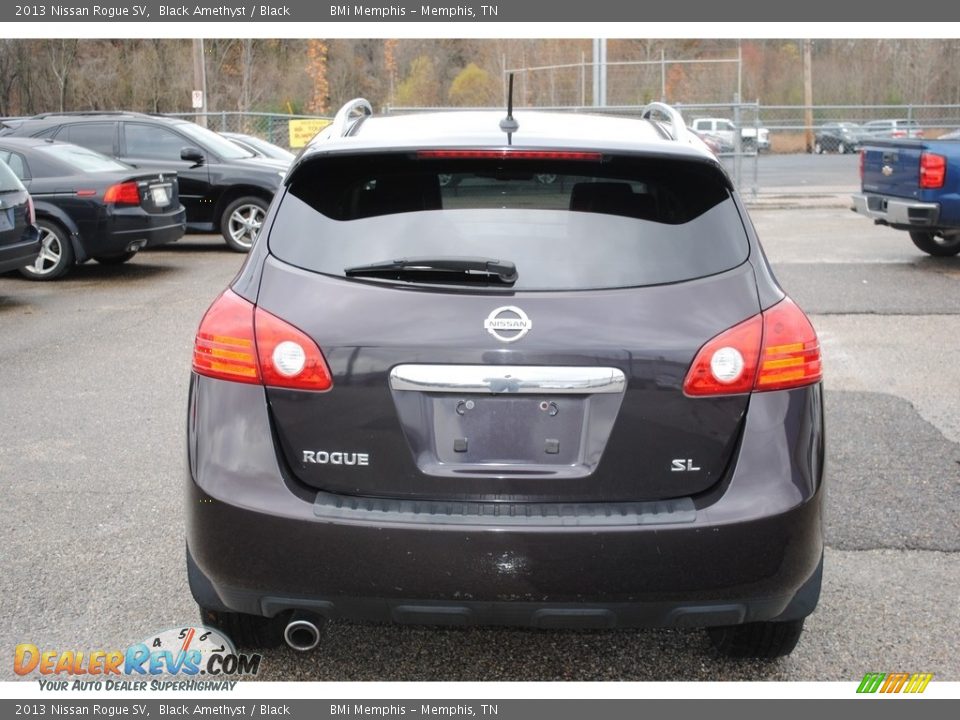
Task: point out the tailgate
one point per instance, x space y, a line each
892 168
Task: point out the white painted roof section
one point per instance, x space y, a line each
471 128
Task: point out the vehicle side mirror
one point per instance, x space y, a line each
192 154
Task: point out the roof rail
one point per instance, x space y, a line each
680 133
68 113
343 122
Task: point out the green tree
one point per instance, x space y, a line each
420 87
474 87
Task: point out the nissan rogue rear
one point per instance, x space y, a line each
577 404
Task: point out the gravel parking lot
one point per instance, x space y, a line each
93 382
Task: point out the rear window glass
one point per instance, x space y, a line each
81 158
8 181
564 224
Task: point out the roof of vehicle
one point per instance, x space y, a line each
573 130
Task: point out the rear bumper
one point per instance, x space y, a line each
897 212
748 550
129 229
18 255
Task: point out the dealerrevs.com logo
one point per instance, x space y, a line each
188 653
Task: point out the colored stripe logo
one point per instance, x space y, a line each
895 682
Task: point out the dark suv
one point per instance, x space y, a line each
584 403
223 187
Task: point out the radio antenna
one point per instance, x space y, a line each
508 124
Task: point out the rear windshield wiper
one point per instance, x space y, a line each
441 269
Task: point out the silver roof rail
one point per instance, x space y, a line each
680 133
344 122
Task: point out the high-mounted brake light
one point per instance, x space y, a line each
126 193
241 343
933 170
509 154
774 350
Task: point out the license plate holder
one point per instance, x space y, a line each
508 430
160 195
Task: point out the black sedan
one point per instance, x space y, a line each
89 206
838 137
19 242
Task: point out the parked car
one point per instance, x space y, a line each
223 187
841 137
894 129
717 145
952 135
582 404
19 238
260 147
751 138
913 185
90 206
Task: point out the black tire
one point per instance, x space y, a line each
114 259
246 631
761 640
56 253
241 221
936 246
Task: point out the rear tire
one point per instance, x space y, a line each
114 259
246 631
241 222
936 246
761 640
56 253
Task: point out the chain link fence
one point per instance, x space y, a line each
272 127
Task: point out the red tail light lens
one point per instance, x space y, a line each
241 343
31 211
933 170
288 357
775 350
791 351
126 193
863 162
508 154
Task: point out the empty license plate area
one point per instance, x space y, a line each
508 421
508 430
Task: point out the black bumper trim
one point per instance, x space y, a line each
342 508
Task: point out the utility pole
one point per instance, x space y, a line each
599 72
808 94
199 82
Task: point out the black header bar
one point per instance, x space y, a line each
700 12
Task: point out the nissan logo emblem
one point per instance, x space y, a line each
508 323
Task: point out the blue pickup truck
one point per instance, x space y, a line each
913 185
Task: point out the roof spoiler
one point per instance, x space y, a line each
349 117
672 115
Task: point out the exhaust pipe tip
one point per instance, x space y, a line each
302 632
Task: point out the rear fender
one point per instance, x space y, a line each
52 212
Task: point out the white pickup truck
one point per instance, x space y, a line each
751 137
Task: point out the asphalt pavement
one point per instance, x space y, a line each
93 383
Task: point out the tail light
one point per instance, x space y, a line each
898 134
31 211
863 162
509 154
933 170
242 343
126 193
775 350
